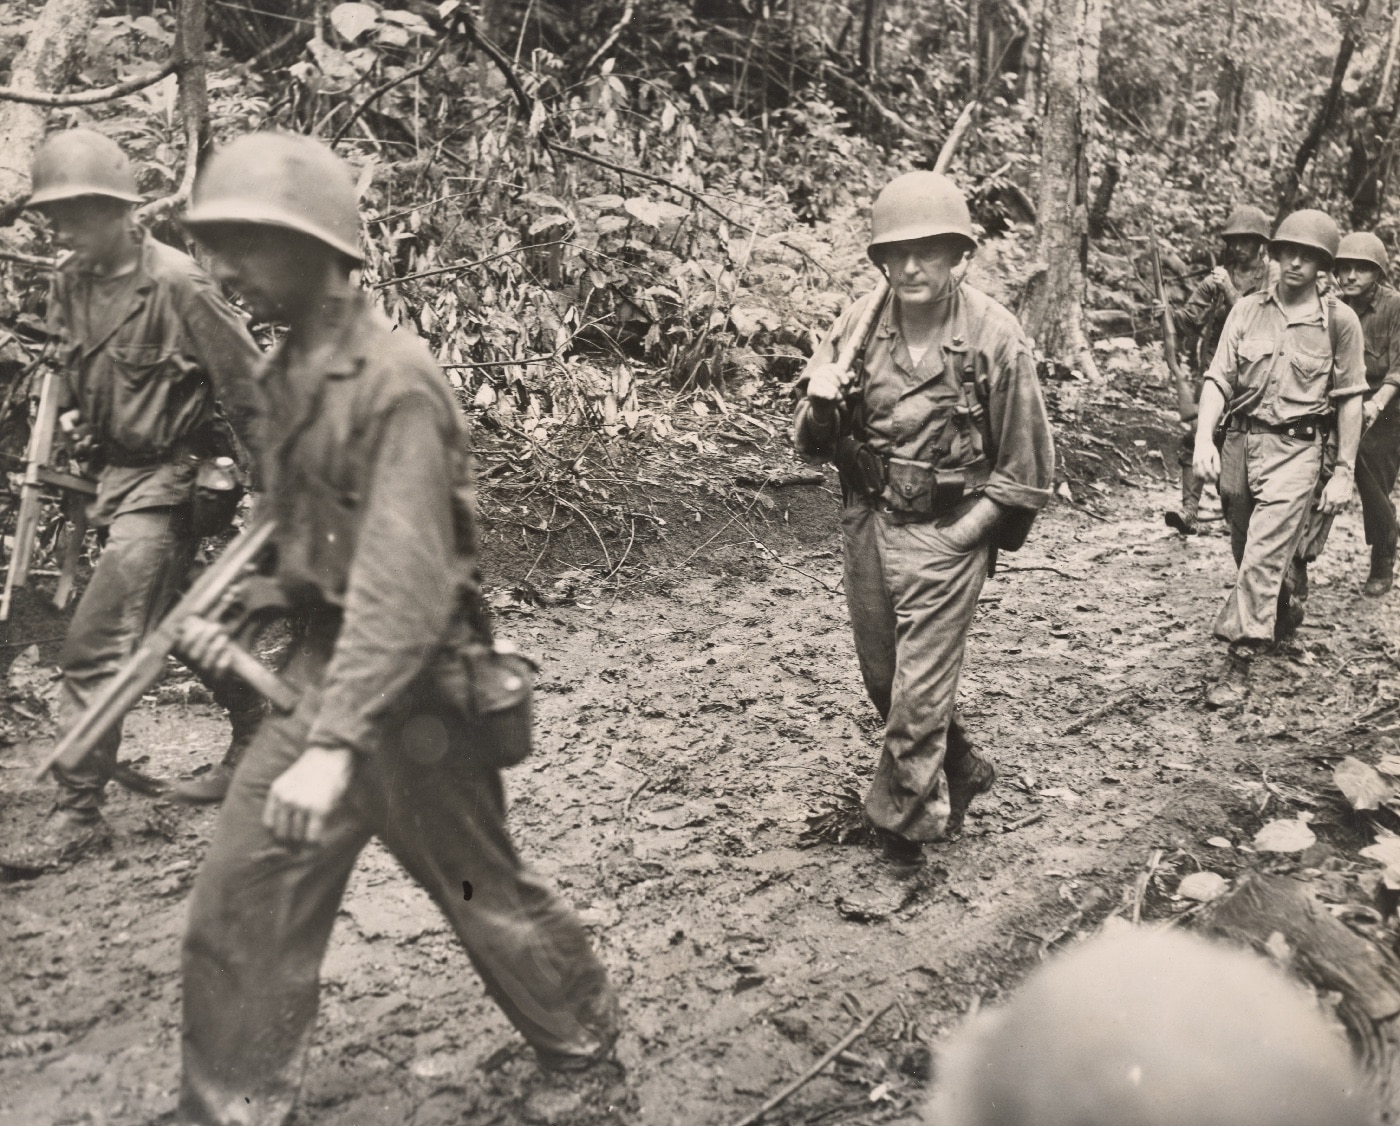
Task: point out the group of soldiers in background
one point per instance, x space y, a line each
1299 381
924 394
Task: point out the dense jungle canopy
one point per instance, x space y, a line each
590 208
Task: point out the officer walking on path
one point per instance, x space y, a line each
1289 362
367 475
149 343
945 452
1247 269
1361 271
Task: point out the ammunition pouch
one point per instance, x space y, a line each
914 490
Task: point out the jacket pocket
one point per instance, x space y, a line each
136 365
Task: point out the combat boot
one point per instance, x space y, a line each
968 777
1382 576
246 711
1232 681
70 835
1186 519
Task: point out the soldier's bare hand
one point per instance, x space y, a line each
307 793
205 645
68 420
1369 413
824 385
1337 495
1206 462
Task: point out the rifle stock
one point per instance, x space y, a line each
1185 390
855 342
147 664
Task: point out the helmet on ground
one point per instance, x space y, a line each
282 180
1363 246
1153 1029
80 162
1246 221
1311 228
919 205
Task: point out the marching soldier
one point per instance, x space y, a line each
150 343
1290 364
1362 269
945 452
1246 270
367 478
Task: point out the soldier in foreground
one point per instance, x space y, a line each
148 344
368 481
1361 271
1152 1029
1247 269
1290 364
945 452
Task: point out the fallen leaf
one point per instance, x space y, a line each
1362 784
1218 842
1386 851
1389 764
1202 886
1284 836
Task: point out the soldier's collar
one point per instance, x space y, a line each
347 359
955 332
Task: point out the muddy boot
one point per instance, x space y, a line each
69 836
1232 681
969 776
1382 576
1292 608
1185 519
245 711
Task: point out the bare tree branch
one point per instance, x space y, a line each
89 97
612 38
375 95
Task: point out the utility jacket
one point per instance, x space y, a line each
147 373
1280 370
974 401
1379 314
1210 303
366 461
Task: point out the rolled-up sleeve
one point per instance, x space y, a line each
1349 354
1023 468
403 579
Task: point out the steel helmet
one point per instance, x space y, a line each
1248 221
919 205
80 162
1153 1029
1363 246
282 180
1311 228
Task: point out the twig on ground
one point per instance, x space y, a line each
1041 567
634 795
1140 887
778 559
592 528
1030 819
811 1073
1106 708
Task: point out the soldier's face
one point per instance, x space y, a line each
1298 266
920 270
278 273
1240 250
94 228
1356 279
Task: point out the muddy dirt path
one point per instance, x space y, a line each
684 738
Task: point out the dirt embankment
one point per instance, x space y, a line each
695 711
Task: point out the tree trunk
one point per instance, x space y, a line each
1052 310
871 22
46 64
1351 32
1230 82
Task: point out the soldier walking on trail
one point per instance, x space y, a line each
1289 364
945 452
149 343
1247 269
366 466
1361 271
